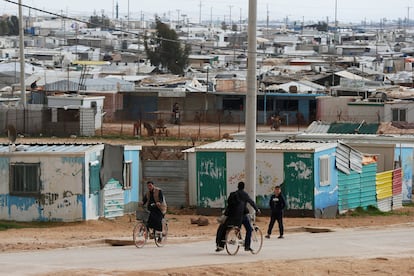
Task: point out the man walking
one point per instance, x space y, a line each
276 203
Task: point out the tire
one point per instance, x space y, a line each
257 240
233 238
161 237
140 235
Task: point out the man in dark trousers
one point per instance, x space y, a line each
236 213
153 199
276 203
245 198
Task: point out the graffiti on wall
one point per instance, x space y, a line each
211 179
269 173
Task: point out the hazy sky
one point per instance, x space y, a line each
347 10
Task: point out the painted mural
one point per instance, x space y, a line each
211 179
269 173
406 155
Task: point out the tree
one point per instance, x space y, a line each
102 22
14 25
165 51
4 28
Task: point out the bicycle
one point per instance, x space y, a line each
235 238
142 232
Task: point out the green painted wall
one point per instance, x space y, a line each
211 179
298 184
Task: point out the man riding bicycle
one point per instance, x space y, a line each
237 214
154 200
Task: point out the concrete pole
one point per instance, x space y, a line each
21 55
251 99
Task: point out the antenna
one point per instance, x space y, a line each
11 134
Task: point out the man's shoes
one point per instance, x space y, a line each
218 249
280 237
248 249
267 236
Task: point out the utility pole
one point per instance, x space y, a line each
251 102
178 17
21 53
211 16
230 17
199 17
128 18
336 14
336 20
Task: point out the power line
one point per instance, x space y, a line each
101 25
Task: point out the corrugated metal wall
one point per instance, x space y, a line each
113 199
368 187
397 196
169 175
348 191
384 190
357 189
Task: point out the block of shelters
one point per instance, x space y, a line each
67 182
306 171
318 179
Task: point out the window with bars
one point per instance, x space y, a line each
324 172
24 179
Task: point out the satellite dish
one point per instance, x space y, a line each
11 133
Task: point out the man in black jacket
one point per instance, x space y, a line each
276 203
245 198
236 213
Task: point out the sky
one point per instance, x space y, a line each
223 10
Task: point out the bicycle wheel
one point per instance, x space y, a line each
232 241
140 235
161 237
257 240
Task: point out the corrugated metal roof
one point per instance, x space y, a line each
356 128
318 127
46 148
263 145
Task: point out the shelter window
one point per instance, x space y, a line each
233 103
399 115
261 104
94 177
127 175
24 179
324 172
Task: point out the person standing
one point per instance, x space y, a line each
276 203
176 113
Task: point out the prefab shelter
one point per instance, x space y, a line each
306 172
62 182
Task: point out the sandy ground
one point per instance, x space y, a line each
94 233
